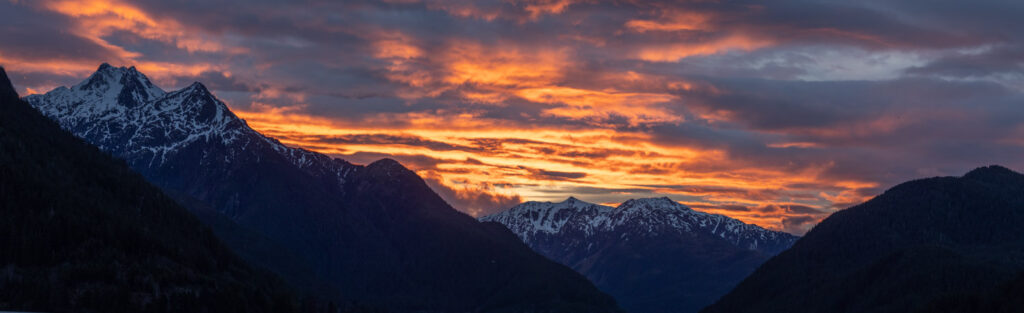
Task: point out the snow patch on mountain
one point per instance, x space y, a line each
530 218
635 217
122 112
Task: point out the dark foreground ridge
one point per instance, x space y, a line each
81 232
944 244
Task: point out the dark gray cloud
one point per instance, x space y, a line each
840 93
798 224
40 36
555 175
474 201
385 139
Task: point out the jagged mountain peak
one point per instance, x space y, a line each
643 216
571 203
660 203
531 218
106 67
124 113
197 87
121 110
681 258
194 92
71 212
196 99
371 232
119 82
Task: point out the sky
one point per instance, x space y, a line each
777 113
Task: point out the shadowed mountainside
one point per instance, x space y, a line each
926 245
653 255
377 234
82 232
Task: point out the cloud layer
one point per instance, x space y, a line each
777 113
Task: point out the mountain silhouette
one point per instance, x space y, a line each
924 245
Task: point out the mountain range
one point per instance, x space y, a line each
943 244
373 234
653 255
168 202
82 232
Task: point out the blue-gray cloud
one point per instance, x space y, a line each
876 91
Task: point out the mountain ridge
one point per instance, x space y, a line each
84 233
919 243
377 232
652 254
606 218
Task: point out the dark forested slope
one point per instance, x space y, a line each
82 232
926 245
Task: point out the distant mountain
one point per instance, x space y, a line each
653 255
944 244
81 232
376 234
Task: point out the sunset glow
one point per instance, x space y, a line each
767 114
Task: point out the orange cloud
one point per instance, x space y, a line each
678 21
474 159
480 162
697 27
539 7
395 45
503 65
496 74
603 105
518 10
60 67
98 18
673 52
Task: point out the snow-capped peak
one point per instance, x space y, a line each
663 203
532 217
105 76
634 217
120 85
121 111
